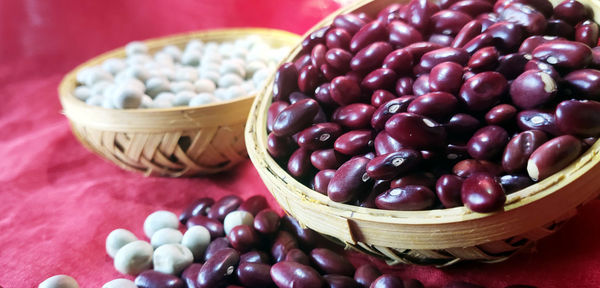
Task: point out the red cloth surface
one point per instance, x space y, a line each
58 201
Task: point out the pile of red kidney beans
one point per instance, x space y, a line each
273 251
436 105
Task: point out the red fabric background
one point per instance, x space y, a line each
58 201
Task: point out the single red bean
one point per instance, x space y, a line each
533 89
295 117
302 61
255 257
219 269
340 281
299 164
404 86
585 83
330 262
223 206
389 9
327 159
370 57
323 96
472 7
387 281
579 117
444 40
461 284
155 279
519 148
447 189
372 32
535 64
309 79
190 275
285 82
529 44
212 225
479 42
349 181
283 243
487 142
388 166
402 34
274 110
322 179
297 96
571 11
512 65
329 72
416 131
449 22
482 193
420 12
586 32
538 120
487 20
435 105
379 187
420 48
313 39
198 207
483 60
483 91
501 114
421 85
387 110
462 124
243 238
379 97
366 274
349 22
419 179
296 255
466 33
468 167
544 6
560 28
318 136
354 142
254 204
381 78
217 244
338 38
401 61
289 274
447 54
513 183
317 55
564 54
384 144
306 237
354 116
344 90
526 16
280 147
446 77
254 275
267 222
507 35
553 156
407 198
338 59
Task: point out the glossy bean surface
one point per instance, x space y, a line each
483 90
406 198
584 83
282 243
466 33
254 204
327 159
579 117
415 131
513 183
344 90
447 54
243 238
219 269
309 78
354 142
289 274
468 167
526 16
266 222
501 114
571 11
198 207
553 156
564 54
387 281
217 244
401 34
372 32
438 106
255 257
366 274
212 225
381 78
299 163
339 59
388 109
371 56
318 136
482 193
285 82
447 188
586 32
254 275
519 148
446 77
484 59
155 279
401 61
462 124
295 117
533 89
380 97
487 142
280 147
388 166
338 38
349 180
536 119
297 255
330 262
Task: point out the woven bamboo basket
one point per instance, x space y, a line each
434 237
174 142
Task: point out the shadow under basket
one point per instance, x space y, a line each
180 141
433 237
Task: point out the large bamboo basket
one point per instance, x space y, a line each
172 142
434 237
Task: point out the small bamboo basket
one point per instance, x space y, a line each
433 237
173 142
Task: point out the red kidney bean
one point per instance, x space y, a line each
280 147
212 225
344 90
384 144
338 59
416 131
435 57
313 39
349 181
402 34
379 97
586 32
512 65
507 35
538 120
254 204
309 79
564 54
501 114
285 82
267 222
579 117
242 238
543 6
421 85
330 262
381 78
306 237
513 183
259 257
483 60
372 32
329 72
297 96
254 275
283 243
420 48
274 110
354 116
529 44
323 96
482 193
404 86
190 275
419 179
296 255
535 64
392 8
436 105
217 244
588 142
289 274
327 159
318 136
317 55
479 42
340 281
338 38
553 156
302 61
387 281
223 206
446 77
198 207
295 117
487 142
349 22
466 33
379 187
155 279
461 284
401 61
462 124
365 17
370 57
354 142
519 148
447 189
533 89
407 198
322 179
219 269
487 19
483 91
387 110
526 16
585 83
571 11
449 22
444 40
420 12
388 166
299 164
468 167
560 28
366 274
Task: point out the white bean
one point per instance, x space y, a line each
182 86
107 102
161 103
120 283
211 75
174 51
205 85
237 218
186 74
249 87
134 258
156 85
117 239
202 99
232 67
208 67
165 236
96 75
138 59
127 97
158 220
83 93
137 72
191 57
59 281
183 98
135 47
196 238
229 80
164 58
260 76
99 87
194 44
95 100
172 258
233 92
146 102
114 65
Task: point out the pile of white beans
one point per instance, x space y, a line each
201 73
